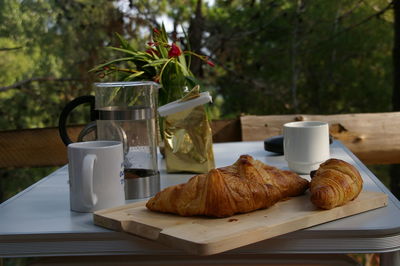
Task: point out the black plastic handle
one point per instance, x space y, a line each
62 127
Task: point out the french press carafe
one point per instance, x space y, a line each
126 111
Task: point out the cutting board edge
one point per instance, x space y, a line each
214 246
106 218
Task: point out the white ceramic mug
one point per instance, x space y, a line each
305 145
96 175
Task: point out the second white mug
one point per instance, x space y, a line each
306 145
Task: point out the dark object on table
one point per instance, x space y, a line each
275 144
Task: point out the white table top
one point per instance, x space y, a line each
38 221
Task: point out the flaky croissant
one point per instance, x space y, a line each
335 183
245 186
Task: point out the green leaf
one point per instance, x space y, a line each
110 63
163 68
188 46
191 80
157 62
164 33
162 50
135 53
185 70
123 42
134 75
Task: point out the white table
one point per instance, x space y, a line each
38 222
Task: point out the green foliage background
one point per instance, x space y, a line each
325 57
272 56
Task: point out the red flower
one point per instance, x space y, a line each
174 51
210 63
156 31
151 44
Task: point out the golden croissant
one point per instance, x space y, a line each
245 186
335 183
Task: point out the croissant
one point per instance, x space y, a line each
335 183
245 186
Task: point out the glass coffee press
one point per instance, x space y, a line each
126 111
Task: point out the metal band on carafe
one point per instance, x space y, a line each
129 113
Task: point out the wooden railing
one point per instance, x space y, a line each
43 146
374 138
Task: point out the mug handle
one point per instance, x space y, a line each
62 128
88 195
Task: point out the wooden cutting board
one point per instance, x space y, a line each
206 236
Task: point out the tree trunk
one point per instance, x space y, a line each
294 53
396 57
395 169
195 37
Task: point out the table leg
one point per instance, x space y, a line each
390 258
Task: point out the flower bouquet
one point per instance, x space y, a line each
163 62
185 129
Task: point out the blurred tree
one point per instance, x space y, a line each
396 57
55 43
286 56
276 56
